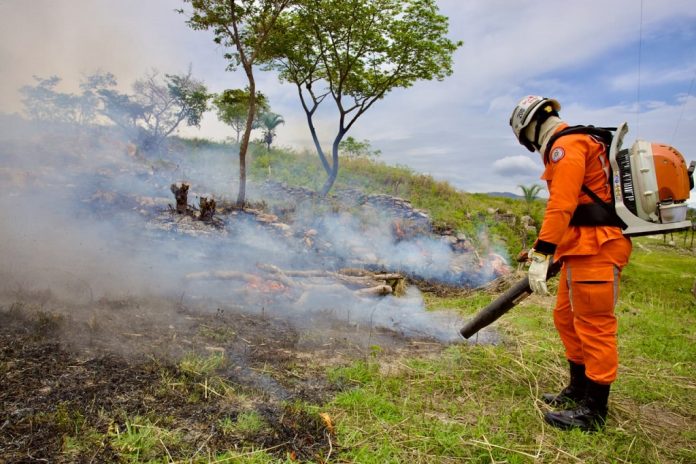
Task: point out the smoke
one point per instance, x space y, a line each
87 218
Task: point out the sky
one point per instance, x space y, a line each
606 61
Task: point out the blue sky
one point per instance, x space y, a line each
586 54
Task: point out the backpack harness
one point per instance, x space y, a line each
599 213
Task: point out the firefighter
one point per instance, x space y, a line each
592 250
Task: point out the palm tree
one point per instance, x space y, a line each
269 121
530 194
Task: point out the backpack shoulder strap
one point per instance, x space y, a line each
614 219
605 134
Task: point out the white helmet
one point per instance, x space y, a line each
526 111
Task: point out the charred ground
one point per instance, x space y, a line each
72 386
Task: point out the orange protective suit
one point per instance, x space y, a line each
592 256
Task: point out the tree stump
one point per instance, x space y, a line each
693 289
180 191
207 206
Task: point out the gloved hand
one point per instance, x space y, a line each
523 256
537 271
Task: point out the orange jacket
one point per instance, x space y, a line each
574 160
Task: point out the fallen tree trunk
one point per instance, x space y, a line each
351 277
369 284
238 275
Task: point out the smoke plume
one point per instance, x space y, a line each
87 217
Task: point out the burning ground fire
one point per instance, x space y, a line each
109 221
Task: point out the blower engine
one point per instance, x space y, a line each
651 185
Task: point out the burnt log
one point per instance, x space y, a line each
180 191
368 284
349 277
378 290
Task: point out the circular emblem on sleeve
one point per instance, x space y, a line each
557 154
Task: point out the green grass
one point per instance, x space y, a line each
140 440
448 207
246 422
480 403
198 365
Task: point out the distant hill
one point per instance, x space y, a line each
505 195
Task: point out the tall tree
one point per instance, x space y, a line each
169 101
158 106
268 122
90 102
353 148
44 103
232 107
242 26
355 52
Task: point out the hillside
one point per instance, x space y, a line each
488 220
131 332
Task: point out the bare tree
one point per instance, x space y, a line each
157 107
44 103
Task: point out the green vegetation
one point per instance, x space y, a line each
247 422
531 192
353 148
140 440
232 105
480 403
489 221
199 365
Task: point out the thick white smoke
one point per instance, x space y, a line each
85 217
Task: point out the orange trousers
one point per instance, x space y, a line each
584 313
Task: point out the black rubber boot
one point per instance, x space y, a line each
574 393
590 416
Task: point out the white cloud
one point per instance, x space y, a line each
452 129
516 166
652 77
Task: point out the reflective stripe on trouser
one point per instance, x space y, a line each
584 313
